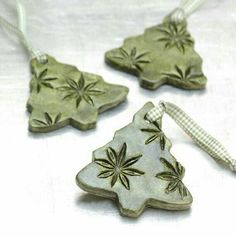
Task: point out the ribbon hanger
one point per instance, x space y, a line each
20 31
185 9
204 140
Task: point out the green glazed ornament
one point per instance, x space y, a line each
62 95
164 54
137 169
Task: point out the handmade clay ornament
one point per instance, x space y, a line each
137 170
62 95
164 54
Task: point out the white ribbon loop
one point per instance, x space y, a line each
20 31
205 141
185 9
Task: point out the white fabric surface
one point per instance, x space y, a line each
38 191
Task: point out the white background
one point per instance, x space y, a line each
38 194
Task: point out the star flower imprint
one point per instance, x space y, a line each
182 75
133 59
156 133
49 121
117 167
174 175
175 35
41 80
78 91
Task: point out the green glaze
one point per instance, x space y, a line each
62 95
164 54
137 170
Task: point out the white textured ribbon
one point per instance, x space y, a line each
205 141
20 31
185 9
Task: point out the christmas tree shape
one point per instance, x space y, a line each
164 54
137 169
62 95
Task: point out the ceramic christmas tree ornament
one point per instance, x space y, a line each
137 169
61 94
164 54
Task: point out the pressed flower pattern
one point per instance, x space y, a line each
118 167
155 133
175 35
182 75
41 80
174 175
48 120
78 91
133 59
